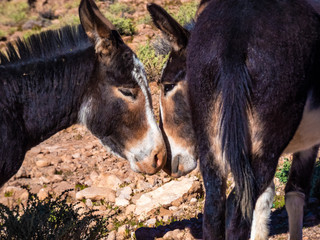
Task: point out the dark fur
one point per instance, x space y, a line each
44 81
38 90
237 51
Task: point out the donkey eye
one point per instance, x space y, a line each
168 88
127 92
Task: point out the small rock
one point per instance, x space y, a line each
112 235
164 212
125 192
173 208
151 222
56 178
121 202
108 181
43 163
97 193
176 234
89 203
130 209
22 173
76 155
193 201
163 195
93 176
143 186
42 194
122 229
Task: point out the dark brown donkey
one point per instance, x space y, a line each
86 74
207 97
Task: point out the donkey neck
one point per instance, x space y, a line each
45 94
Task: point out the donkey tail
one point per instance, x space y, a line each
234 132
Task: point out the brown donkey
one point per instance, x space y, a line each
174 85
86 74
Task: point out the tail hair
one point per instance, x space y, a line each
234 131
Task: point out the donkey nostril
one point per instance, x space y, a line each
155 162
175 164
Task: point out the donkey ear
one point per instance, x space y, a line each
176 34
96 26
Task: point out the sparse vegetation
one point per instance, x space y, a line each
283 171
124 26
278 202
186 12
120 8
13 12
152 62
8 194
49 219
79 187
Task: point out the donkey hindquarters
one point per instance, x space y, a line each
250 66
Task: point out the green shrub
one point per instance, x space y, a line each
186 12
283 172
278 202
13 12
125 26
49 219
120 8
152 62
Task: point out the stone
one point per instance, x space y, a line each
55 178
97 193
42 194
43 163
93 176
112 235
165 212
63 186
143 186
89 203
108 181
125 192
173 208
163 195
176 234
76 155
130 209
151 222
22 173
121 202
193 201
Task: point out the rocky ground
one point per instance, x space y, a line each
139 206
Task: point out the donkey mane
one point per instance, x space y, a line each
45 45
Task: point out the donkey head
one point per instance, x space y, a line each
175 122
118 108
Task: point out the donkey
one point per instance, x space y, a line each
83 74
175 93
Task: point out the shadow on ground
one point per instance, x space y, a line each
278 224
194 224
279 218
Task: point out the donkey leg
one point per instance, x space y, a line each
214 210
298 188
261 214
239 228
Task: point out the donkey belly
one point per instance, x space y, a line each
308 132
